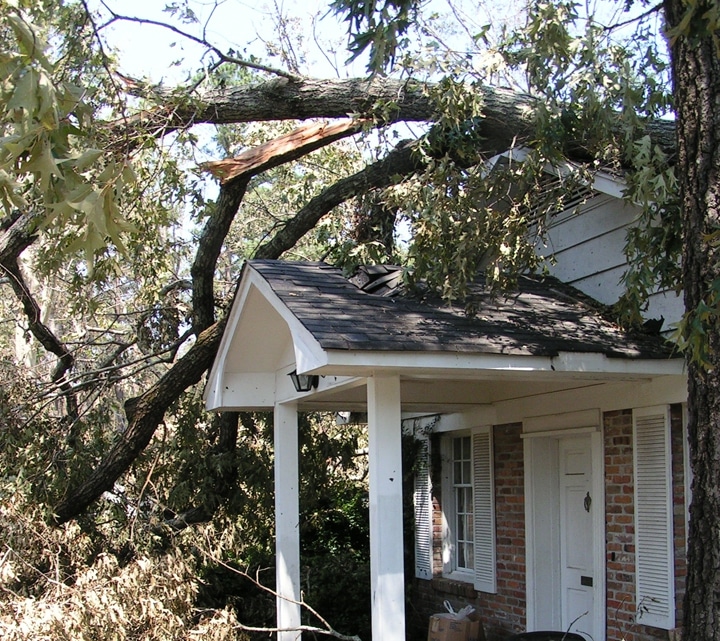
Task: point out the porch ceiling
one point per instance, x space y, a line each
425 395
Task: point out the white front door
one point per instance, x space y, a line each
577 580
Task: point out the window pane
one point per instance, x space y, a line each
462 528
470 556
461 556
457 448
466 448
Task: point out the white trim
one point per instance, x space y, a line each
542 521
654 551
591 366
564 432
599 526
687 470
576 419
387 578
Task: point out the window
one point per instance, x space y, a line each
468 502
462 530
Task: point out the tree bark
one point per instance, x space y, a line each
506 120
19 235
696 76
211 240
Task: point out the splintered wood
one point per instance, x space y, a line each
297 143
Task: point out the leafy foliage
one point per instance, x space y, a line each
123 575
376 27
102 169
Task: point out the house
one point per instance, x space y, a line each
551 485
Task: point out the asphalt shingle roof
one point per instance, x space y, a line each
544 317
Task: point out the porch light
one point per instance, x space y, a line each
303 382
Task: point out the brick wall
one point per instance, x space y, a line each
620 533
504 612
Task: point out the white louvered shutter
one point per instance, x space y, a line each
655 575
484 512
422 501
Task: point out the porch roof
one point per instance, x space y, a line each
308 317
544 317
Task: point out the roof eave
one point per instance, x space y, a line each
365 363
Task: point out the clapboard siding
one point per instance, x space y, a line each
586 245
595 218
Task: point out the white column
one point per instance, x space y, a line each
386 522
287 517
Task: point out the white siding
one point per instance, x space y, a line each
587 246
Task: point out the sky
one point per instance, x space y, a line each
151 52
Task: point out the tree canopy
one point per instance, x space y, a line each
120 259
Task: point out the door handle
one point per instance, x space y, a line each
587 502
586 581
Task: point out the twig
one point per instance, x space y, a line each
201 41
328 630
300 628
619 25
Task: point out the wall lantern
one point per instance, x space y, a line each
304 382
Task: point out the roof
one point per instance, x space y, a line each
544 317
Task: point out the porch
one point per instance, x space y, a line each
539 354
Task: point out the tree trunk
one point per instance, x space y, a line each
696 74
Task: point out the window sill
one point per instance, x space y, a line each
454 585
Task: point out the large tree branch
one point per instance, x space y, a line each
507 114
147 414
401 161
209 246
299 142
19 235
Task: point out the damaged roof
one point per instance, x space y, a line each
544 317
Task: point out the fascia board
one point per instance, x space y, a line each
214 382
600 363
309 354
364 363
603 182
